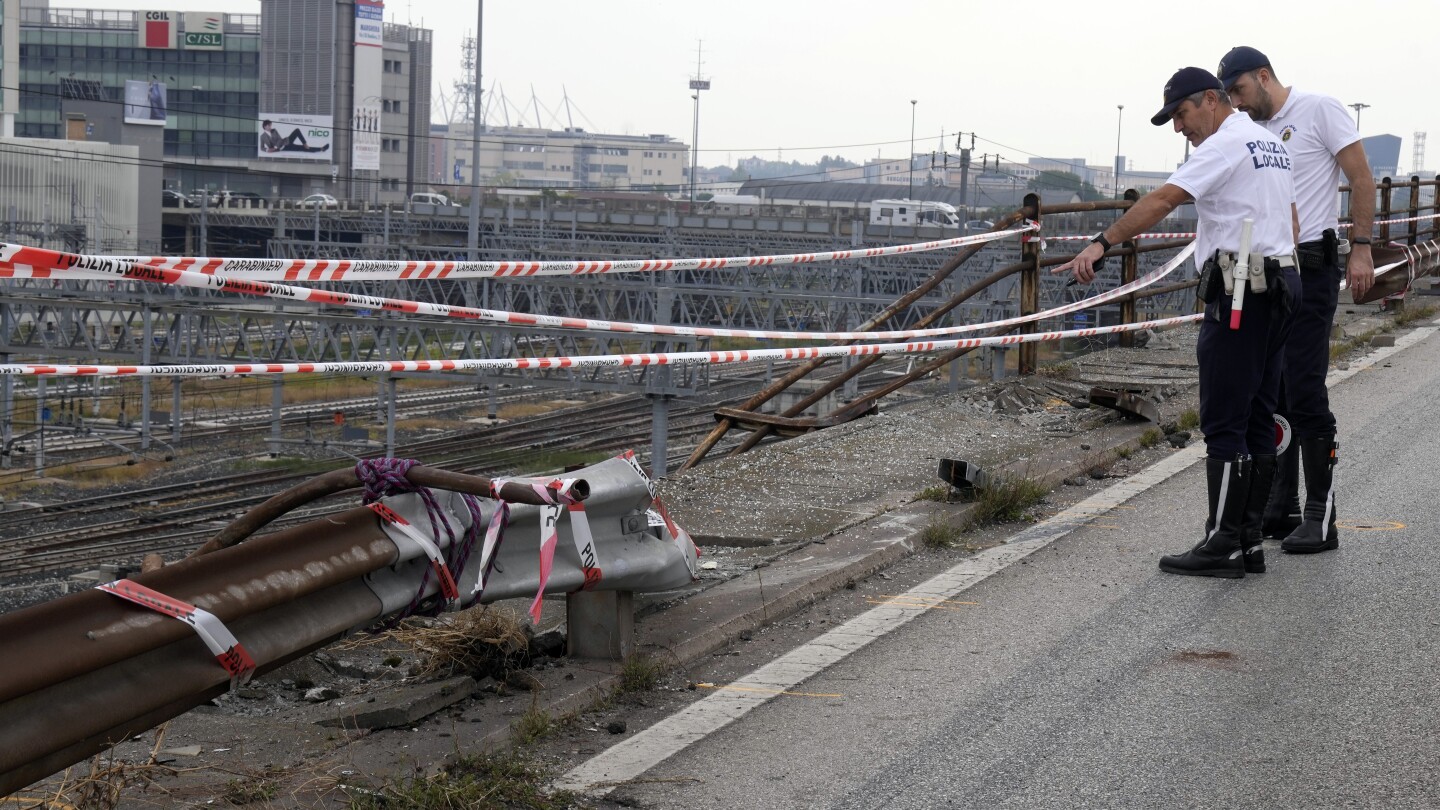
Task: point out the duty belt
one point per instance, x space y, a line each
1258 265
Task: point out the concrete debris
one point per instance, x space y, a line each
321 694
397 708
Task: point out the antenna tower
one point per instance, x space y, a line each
464 97
1417 160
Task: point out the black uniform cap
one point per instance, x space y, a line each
1186 82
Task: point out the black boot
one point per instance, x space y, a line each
1252 547
1282 512
1218 555
1317 532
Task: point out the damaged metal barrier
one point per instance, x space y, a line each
91 669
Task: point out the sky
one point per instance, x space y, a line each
797 79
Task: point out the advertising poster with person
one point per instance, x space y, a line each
369 65
145 102
295 137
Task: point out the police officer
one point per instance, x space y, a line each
1238 171
1323 142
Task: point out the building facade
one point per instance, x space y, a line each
211 80
572 158
9 66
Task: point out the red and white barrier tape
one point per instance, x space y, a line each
369 269
1076 238
582 361
448 589
549 539
217 637
677 534
184 278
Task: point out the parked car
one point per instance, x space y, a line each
319 201
170 198
242 199
427 198
200 197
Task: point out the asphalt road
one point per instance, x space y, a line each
1083 677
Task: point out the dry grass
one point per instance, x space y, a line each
103 786
484 641
520 410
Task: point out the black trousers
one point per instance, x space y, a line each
1304 399
1240 369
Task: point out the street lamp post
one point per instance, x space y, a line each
1119 116
1357 107
912 149
695 139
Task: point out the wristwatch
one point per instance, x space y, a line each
1104 243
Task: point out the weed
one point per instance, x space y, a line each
534 724
1124 451
1410 313
507 779
1006 500
1344 347
247 791
1151 437
937 493
940 534
1188 420
640 673
1059 371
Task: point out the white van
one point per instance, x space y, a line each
427 198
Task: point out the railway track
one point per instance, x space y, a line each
115 528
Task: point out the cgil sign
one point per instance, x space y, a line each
157 30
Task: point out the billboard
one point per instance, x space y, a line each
369 65
157 30
204 31
145 102
294 137
370 23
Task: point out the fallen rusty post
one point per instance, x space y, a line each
337 481
91 629
1125 402
1419 261
804 370
864 363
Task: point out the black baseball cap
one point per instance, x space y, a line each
1240 61
1186 82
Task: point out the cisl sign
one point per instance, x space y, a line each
204 31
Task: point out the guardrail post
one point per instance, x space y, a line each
600 624
1030 288
1129 266
1414 214
1385 189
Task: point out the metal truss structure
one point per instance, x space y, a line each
136 323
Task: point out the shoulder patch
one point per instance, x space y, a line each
1287 132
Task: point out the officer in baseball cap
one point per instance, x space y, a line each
1324 142
1238 172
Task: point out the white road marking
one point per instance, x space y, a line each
633 757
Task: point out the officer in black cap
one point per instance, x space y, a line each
1323 142
1238 173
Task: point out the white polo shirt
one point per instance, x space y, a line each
1314 128
1240 172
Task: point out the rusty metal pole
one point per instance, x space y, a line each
771 391
1385 194
1129 269
1030 288
860 404
1414 209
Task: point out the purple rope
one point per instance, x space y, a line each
386 476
